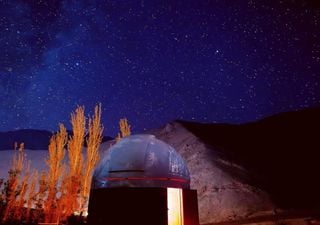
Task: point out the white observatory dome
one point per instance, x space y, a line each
141 161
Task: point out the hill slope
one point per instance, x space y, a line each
242 171
32 139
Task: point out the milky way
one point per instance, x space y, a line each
154 61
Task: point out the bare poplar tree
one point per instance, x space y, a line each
125 128
95 130
56 169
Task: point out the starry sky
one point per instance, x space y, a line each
154 61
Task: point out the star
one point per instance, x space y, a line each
154 62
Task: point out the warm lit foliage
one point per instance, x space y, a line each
93 141
56 169
76 181
125 129
72 179
20 200
41 194
55 195
15 186
31 195
75 143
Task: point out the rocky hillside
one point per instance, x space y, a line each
222 195
244 171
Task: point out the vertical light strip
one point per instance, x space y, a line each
175 206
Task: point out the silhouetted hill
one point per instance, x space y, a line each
32 139
281 154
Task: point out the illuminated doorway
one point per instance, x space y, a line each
175 206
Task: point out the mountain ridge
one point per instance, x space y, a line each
33 139
276 141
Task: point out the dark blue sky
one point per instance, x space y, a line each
154 61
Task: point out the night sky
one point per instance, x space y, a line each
155 61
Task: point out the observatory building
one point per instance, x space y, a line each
142 180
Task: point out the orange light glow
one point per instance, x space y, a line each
175 207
